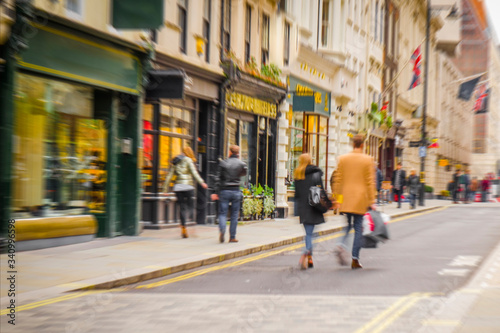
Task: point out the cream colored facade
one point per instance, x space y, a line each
490 161
449 120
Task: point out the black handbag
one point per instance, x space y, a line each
318 198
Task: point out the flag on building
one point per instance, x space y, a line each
434 143
481 98
416 57
467 88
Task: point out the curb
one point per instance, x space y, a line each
135 276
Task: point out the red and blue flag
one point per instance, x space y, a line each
416 57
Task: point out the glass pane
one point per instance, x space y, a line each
244 148
169 149
59 151
298 120
312 147
231 131
322 155
147 168
296 149
165 118
147 113
323 128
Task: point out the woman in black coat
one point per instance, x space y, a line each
307 175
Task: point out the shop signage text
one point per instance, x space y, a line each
307 98
251 104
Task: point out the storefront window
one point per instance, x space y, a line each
175 132
60 151
296 135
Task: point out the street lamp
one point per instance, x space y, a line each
423 143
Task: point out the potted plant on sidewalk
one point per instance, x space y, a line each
269 205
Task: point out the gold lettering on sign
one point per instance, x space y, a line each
317 98
250 104
303 90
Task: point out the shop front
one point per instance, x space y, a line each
251 124
308 126
69 149
169 125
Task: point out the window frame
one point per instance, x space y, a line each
225 27
248 32
325 24
286 44
206 27
74 14
265 38
182 7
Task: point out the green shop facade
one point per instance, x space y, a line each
70 126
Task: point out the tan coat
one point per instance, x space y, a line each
355 183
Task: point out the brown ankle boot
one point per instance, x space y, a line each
310 263
184 233
303 262
355 264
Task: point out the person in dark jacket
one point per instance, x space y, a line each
456 186
307 175
414 184
398 182
227 190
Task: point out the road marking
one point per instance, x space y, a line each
196 273
466 261
233 264
392 313
414 298
454 272
418 214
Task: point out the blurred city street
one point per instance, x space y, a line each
425 279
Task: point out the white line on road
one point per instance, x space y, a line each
454 272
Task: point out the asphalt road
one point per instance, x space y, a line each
402 285
436 253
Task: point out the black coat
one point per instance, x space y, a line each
308 214
403 178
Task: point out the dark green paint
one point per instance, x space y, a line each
133 14
95 63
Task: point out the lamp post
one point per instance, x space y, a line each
423 143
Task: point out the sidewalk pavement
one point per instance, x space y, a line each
113 262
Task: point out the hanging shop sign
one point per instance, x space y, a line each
250 104
307 98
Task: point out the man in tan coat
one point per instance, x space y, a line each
354 193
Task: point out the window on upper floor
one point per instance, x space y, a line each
375 25
248 32
207 11
325 22
382 20
286 48
265 39
356 12
74 9
226 26
182 22
285 6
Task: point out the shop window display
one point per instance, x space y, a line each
59 152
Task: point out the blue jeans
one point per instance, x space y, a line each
234 197
413 198
358 233
309 234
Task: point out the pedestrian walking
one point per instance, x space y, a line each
227 191
398 182
379 179
354 193
307 175
474 187
456 186
465 182
485 186
183 168
414 187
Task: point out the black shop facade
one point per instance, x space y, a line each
250 120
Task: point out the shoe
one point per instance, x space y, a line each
303 262
233 240
221 237
310 263
355 264
341 256
184 233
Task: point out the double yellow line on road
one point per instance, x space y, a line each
392 313
195 273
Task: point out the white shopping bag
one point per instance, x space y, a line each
368 225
